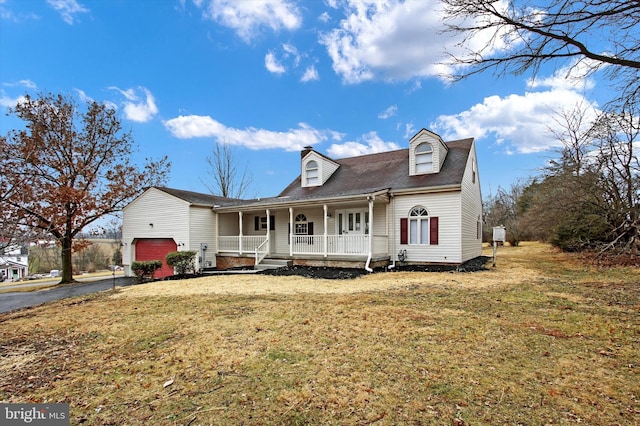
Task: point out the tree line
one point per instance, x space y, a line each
587 197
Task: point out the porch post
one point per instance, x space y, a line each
370 227
291 231
324 207
240 233
268 231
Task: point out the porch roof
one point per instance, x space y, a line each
286 201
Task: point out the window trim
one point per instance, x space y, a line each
423 154
432 227
301 223
312 166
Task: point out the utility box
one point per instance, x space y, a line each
499 234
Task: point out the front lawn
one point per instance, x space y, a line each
540 339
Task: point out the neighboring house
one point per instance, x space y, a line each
417 205
14 262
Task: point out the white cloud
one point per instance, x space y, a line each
324 17
389 112
573 76
198 126
248 18
369 143
409 130
397 40
22 83
519 122
140 107
366 45
9 102
67 9
310 74
291 51
83 96
272 64
290 58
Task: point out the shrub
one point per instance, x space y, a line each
146 269
184 262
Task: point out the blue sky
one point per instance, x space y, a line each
272 76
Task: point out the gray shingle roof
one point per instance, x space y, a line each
385 170
198 198
361 175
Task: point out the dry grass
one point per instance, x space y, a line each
541 339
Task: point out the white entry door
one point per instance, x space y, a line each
352 227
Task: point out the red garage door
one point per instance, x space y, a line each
156 249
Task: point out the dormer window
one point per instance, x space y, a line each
311 173
424 158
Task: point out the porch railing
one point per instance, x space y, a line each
261 251
244 244
336 245
308 244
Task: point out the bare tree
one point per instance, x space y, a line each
522 35
505 208
228 179
572 129
588 197
616 135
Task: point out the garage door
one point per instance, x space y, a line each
156 249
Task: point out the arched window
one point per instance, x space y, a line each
418 225
311 173
424 158
301 226
419 228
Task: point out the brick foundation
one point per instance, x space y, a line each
229 262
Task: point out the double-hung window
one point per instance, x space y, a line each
424 158
311 173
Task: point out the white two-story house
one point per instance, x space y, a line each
416 205
14 261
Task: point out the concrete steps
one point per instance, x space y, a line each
272 264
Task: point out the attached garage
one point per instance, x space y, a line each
156 249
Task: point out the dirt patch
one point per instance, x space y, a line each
477 264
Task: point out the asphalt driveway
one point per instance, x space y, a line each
17 300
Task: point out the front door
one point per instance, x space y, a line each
351 226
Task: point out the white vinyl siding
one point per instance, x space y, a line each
202 229
438 154
168 214
379 227
445 206
471 205
316 169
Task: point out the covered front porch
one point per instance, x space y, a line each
348 231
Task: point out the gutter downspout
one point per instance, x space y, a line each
366 266
393 231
